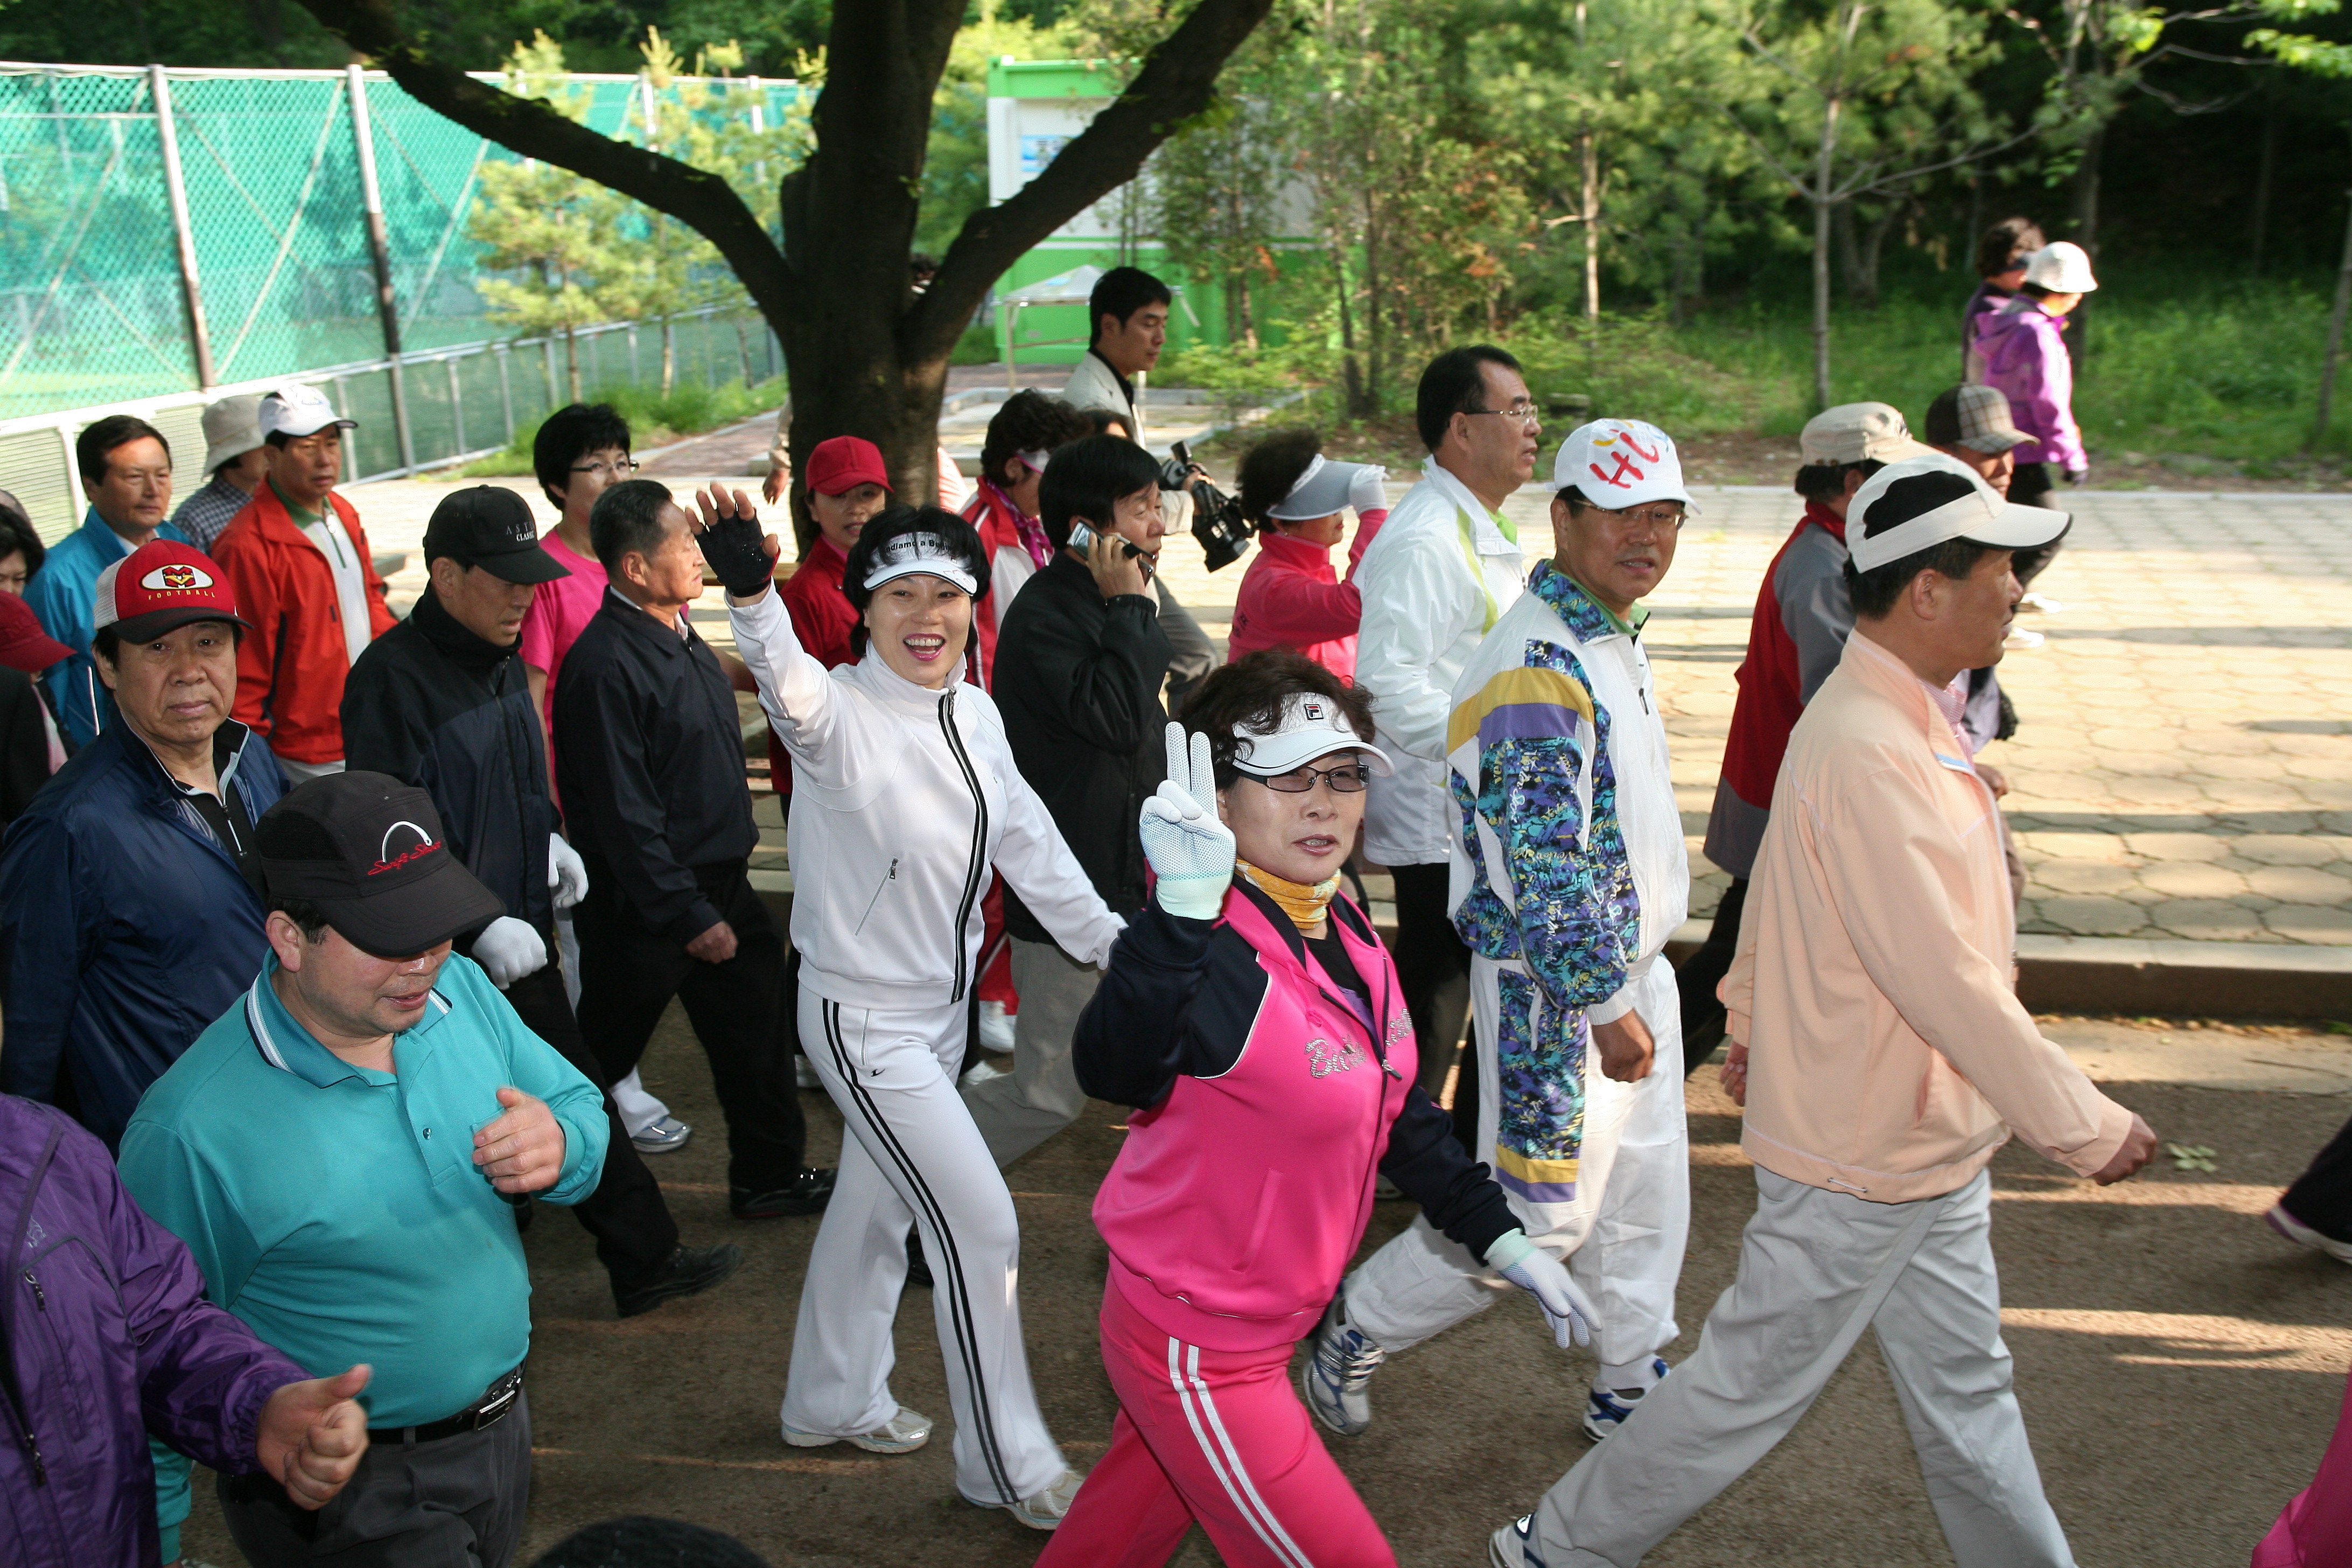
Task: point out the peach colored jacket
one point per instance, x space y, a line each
1888 1055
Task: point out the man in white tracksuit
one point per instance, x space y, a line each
1568 875
1446 566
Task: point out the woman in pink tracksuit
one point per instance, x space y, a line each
1253 1019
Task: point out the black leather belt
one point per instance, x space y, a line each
485 1411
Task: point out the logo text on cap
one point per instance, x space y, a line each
386 860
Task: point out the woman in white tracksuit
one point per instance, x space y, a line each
904 799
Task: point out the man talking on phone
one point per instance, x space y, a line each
1080 661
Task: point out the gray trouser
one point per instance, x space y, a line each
1041 1096
1816 1267
455 1502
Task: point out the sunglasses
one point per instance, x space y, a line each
1347 778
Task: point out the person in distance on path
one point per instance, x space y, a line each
1883 1057
1253 1017
906 796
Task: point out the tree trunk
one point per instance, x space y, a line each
1352 371
1589 213
1373 314
669 355
743 350
2258 235
1822 210
2087 235
2335 338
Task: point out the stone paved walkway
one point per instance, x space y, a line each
2183 767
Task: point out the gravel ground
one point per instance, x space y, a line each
2179 1366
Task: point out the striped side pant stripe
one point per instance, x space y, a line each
1225 1460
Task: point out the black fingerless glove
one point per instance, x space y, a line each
732 547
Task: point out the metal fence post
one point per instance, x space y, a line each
380 250
200 340
506 389
547 353
457 407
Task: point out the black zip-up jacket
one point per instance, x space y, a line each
649 755
435 706
1077 678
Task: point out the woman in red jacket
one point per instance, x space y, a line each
1290 597
1256 1021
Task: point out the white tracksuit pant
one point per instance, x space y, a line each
1622 1236
912 1154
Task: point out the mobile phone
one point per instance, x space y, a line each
1081 536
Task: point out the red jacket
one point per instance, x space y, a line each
992 515
1772 691
1290 597
290 667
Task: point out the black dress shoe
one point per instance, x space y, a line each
918 1267
690 1269
808 1194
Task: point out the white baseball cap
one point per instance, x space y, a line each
232 428
292 408
1858 433
1312 726
1920 502
1325 488
2062 267
1619 463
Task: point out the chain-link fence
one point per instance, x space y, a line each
166 236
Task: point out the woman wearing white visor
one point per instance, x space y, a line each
1298 501
904 799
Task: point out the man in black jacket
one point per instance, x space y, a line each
1079 666
441 701
649 756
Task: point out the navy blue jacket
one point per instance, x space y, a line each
126 929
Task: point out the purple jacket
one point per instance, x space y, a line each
2024 350
105 1336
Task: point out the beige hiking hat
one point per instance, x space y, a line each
232 428
1858 432
2062 267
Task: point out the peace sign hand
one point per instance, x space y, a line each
1189 848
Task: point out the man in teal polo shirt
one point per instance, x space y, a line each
339 1152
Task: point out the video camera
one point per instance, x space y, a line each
1217 520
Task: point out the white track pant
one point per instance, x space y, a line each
911 1155
1816 1267
1622 1236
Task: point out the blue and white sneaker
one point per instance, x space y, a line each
1337 1378
1513 1545
1605 1409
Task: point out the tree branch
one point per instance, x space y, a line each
696 197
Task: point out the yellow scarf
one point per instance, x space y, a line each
1302 903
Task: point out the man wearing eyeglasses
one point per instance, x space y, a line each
1445 568
1570 875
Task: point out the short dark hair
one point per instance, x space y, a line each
1029 421
1875 592
308 918
2036 290
1100 420
1249 693
896 522
1576 499
1122 292
1086 478
1454 382
1268 470
92 447
1998 247
16 536
1826 481
569 434
627 517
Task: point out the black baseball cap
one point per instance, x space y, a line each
491 527
368 851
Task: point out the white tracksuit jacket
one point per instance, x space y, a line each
904 799
1436 577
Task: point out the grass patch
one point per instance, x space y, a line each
655 420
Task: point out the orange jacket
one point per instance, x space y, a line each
290 667
1888 1055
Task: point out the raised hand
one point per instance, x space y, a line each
1189 848
741 554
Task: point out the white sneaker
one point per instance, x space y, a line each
1513 1545
2043 603
982 1072
2017 636
804 1073
1338 1376
2294 1229
663 1136
1606 1409
995 1027
1043 1510
903 1434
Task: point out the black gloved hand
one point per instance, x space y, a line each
733 548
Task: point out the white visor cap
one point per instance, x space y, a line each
1619 463
1321 490
925 554
1921 503
1312 726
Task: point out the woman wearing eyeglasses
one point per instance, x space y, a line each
1253 1019
1298 501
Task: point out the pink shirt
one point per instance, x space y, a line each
560 611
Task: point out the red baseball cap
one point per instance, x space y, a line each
22 643
160 586
843 463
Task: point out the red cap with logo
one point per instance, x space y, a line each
839 466
160 586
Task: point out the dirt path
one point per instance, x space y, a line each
2179 1366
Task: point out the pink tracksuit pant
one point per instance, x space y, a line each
1219 1436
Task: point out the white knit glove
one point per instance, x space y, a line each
1567 1309
1190 849
507 950
1368 492
566 872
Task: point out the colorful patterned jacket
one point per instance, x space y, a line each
1569 868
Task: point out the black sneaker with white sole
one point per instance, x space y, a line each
808 1194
